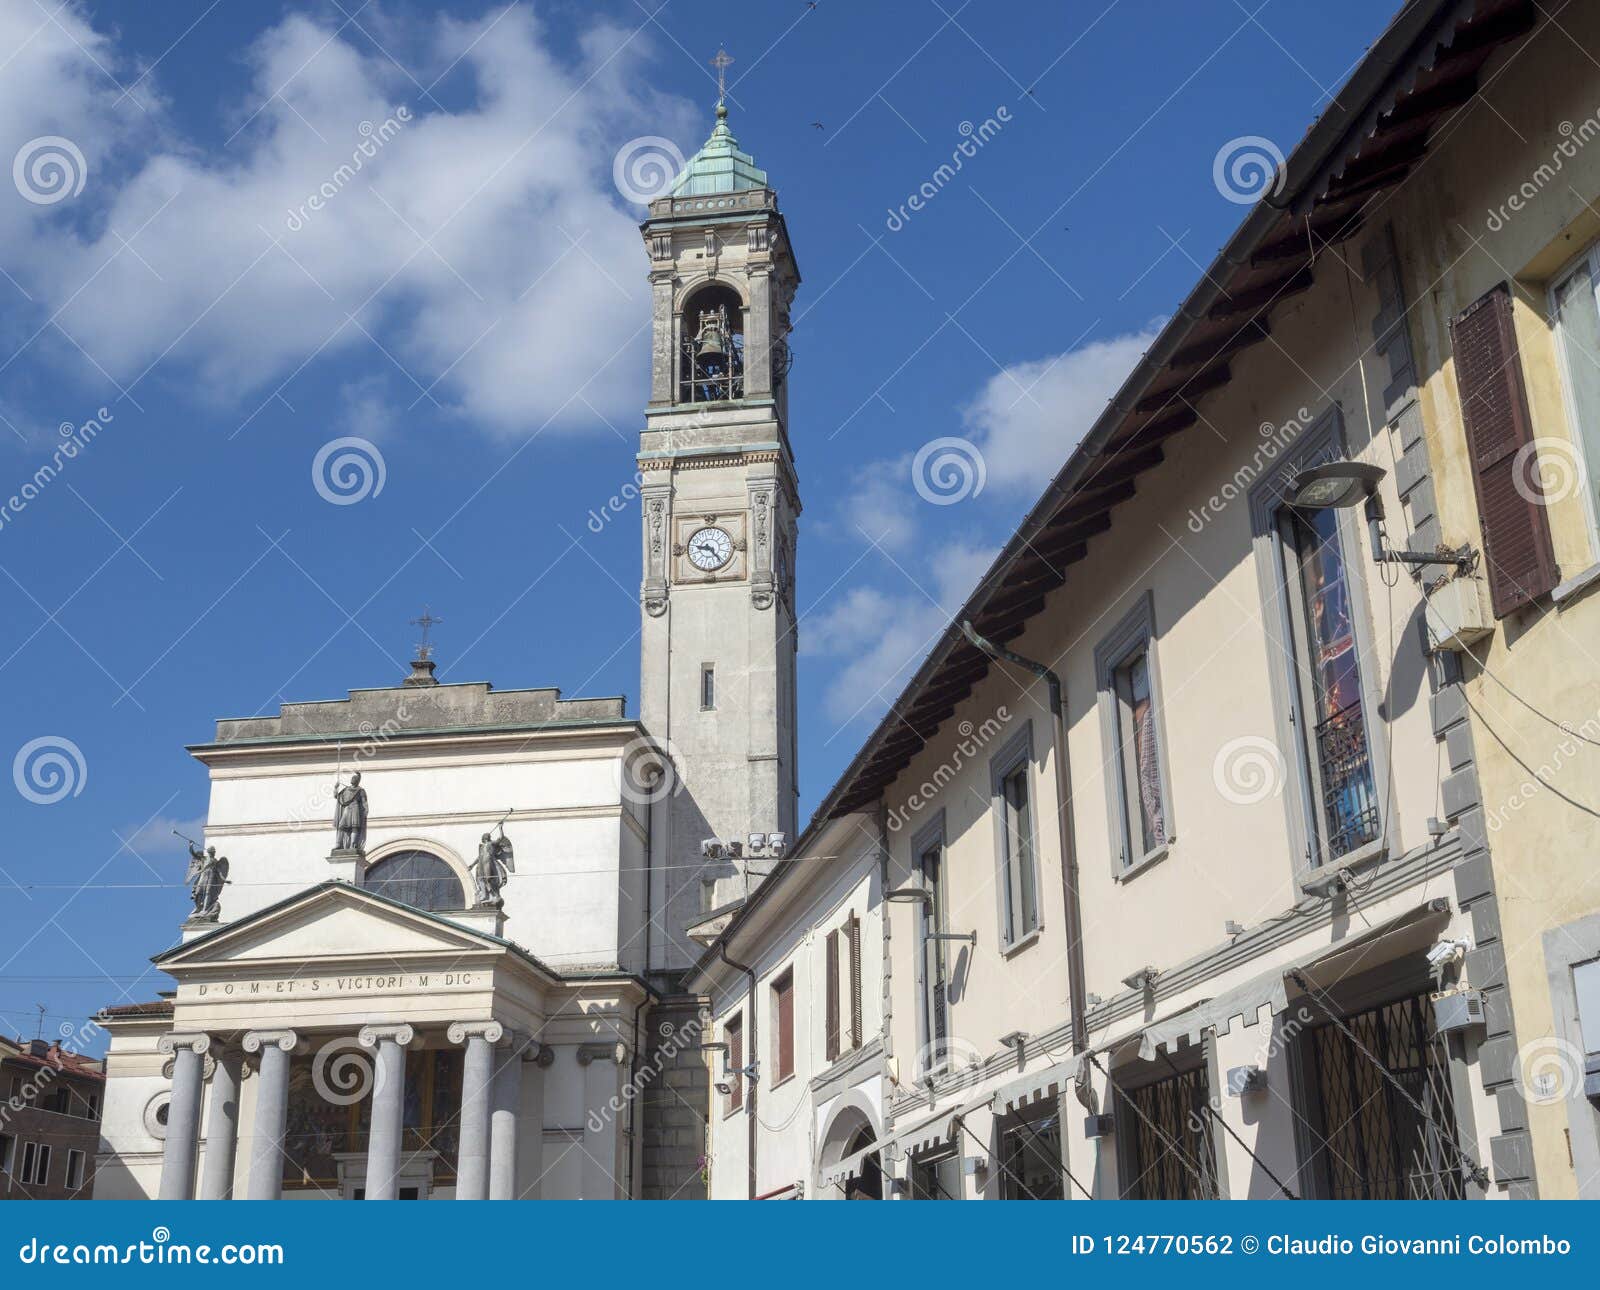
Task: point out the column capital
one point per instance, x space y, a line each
589 1053
195 1042
255 1040
401 1033
461 1031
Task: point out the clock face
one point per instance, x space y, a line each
710 548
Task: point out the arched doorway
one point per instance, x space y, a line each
852 1129
868 1182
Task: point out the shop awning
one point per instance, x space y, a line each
934 1131
849 1168
1036 1085
1270 990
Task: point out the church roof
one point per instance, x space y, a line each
719 166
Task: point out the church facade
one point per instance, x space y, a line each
377 994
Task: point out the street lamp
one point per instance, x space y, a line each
1340 485
918 896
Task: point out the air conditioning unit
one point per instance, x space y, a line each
1456 616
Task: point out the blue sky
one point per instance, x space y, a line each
471 304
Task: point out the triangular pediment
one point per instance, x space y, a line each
329 923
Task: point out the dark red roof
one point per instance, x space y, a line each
57 1059
154 1008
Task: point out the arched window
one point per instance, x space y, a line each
711 363
417 879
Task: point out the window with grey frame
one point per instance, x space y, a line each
1016 858
1138 788
1310 578
1327 671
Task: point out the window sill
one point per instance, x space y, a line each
1367 857
787 1079
1017 946
1575 586
1147 861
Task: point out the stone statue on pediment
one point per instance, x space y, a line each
350 815
495 863
208 874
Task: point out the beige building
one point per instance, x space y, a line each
1186 877
1497 237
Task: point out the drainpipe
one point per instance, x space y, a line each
1069 853
750 1060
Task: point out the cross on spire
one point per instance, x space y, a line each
721 63
426 621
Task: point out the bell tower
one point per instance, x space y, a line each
719 505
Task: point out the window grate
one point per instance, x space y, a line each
1378 1146
1349 800
1177 1107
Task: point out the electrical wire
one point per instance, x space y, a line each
1217 1118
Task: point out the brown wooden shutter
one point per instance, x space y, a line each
855 981
1517 554
783 1000
832 986
735 1036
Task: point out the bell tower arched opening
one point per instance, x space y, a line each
711 354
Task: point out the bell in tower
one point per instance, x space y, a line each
713 355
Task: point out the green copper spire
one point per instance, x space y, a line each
719 166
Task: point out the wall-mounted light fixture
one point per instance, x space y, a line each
917 896
1340 485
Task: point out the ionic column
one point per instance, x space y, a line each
603 1105
472 1164
183 1114
389 1044
505 1105
265 1180
222 1127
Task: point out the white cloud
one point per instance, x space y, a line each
482 255
882 637
1028 418
155 839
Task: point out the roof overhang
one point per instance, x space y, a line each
1422 70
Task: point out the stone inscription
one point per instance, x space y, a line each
303 986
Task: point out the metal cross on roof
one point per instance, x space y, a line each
425 650
721 62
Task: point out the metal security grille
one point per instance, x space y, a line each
1349 800
1379 1146
1178 1162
